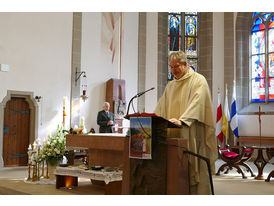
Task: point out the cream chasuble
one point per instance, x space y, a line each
188 99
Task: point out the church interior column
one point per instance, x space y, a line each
76 63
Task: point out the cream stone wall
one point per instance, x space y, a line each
37 46
96 60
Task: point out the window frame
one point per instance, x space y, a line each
183 37
266 54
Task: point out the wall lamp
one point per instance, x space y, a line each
37 98
83 83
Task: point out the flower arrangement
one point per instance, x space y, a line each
78 130
54 147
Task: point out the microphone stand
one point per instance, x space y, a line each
137 95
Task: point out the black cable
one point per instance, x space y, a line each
200 157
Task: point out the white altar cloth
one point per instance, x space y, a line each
108 134
90 174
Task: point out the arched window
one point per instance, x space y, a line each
262 57
183 36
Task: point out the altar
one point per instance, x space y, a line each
105 149
112 150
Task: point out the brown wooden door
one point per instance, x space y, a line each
16 132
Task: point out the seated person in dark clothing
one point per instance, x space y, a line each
105 119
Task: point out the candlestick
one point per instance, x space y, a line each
38 171
47 174
33 173
29 172
43 168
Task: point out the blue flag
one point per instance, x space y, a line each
233 115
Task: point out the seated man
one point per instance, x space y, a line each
105 119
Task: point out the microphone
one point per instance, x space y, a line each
141 93
137 95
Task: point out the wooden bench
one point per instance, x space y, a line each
254 139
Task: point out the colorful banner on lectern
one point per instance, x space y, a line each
140 137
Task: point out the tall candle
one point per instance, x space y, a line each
82 122
34 145
38 141
64 101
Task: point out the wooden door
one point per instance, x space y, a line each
16 132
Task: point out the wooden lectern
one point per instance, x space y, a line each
166 172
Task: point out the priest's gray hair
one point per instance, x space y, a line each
178 55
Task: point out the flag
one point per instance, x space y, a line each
218 132
226 117
234 116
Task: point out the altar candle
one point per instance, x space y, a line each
82 122
34 145
64 101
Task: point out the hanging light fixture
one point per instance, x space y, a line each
83 84
84 88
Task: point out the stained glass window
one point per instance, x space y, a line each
262 57
183 36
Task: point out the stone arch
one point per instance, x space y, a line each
33 116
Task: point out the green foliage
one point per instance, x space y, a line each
55 146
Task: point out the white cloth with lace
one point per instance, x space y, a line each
101 175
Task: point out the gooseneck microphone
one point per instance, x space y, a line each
137 95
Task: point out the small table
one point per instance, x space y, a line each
260 162
66 177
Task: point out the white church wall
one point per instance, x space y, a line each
249 125
96 60
37 46
218 58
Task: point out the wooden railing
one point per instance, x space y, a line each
255 139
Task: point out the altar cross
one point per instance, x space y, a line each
260 122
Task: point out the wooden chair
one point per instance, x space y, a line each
235 157
270 155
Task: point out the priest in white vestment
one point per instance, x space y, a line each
187 102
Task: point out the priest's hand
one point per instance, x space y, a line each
176 121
